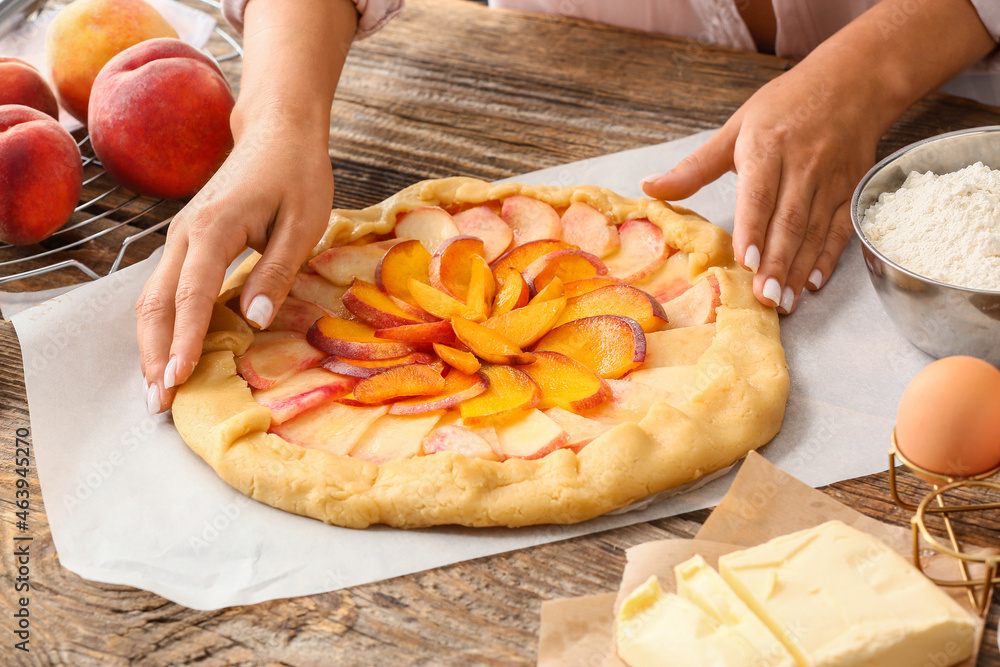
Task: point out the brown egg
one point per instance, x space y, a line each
948 420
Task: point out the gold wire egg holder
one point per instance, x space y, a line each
934 503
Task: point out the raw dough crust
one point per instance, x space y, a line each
738 405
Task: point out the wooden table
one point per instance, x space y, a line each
448 88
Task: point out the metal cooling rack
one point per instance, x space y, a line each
113 204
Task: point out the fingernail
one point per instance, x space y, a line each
260 311
751 258
153 399
787 299
816 278
772 290
651 178
170 373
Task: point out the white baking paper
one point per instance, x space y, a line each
27 43
129 503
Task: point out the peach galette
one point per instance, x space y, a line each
490 355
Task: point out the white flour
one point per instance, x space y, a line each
944 227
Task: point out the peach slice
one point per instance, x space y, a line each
489 345
670 280
332 427
482 287
431 225
341 265
526 326
643 250
568 264
521 256
265 364
374 307
353 340
589 229
399 382
362 368
401 262
581 431
530 436
296 315
459 359
439 304
456 438
681 381
566 383
264 336
578 287
695 306
510 392
316 289
623 300
302 392
631 400
512 291
424 333
678 347
395 437
553 290
450 266
610 345
458 387
483 223
530 219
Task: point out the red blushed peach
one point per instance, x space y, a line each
159 118
86 34
20 83
40 172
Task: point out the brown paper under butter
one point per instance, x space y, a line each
763 503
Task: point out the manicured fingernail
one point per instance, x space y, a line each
153 399
651 178
751 258
170 373
260 311
772 290
787 299
816 278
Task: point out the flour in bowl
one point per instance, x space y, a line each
944 227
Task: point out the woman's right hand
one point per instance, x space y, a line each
274 194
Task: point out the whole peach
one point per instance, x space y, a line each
40 175
159 118
86 34
21 83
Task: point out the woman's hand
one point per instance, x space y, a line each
798 149
801 144
274 194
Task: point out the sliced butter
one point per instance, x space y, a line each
657 629
836 596
701 585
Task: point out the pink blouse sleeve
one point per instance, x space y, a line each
989 13
372 14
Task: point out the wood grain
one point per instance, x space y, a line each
448 88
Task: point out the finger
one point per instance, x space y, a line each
785 234
268 283
703 166
198 286
757 182
837 238
813 241
155 322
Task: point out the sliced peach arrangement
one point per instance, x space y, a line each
506 330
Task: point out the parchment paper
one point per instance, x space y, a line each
762 504
129 503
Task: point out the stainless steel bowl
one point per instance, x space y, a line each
938 318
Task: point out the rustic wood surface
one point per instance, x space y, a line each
448 88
